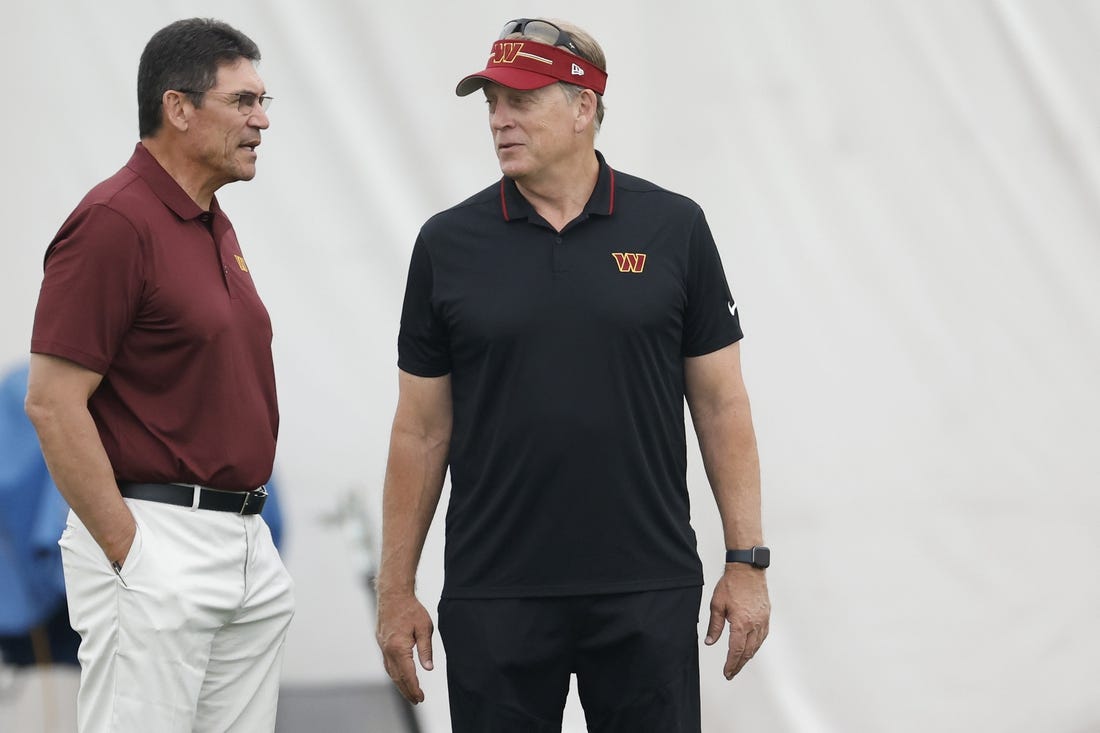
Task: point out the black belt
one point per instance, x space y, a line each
239 502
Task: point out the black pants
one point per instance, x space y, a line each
636 658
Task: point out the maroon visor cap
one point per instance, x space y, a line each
523 64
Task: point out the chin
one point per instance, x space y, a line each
513 169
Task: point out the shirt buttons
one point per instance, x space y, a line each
558 240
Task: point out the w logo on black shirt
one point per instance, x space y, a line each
629 261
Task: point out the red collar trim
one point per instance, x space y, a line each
593 206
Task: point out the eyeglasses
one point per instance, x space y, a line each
246 101
540 30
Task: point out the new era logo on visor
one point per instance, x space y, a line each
577 71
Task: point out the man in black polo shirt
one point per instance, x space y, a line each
552 326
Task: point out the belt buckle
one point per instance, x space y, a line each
260 493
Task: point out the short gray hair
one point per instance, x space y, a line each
589 50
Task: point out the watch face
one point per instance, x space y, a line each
761 557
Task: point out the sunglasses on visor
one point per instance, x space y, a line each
540 30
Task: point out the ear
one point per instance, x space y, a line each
585 117
176 107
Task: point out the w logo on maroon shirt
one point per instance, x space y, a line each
629 261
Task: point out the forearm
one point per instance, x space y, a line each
727 443
415 473
723 422
82 472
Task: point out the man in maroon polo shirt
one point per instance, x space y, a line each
153 393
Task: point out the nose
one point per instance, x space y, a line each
258 118
500 116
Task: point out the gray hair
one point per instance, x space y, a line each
589 50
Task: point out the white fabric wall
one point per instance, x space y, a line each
906 199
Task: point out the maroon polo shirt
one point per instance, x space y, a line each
144 287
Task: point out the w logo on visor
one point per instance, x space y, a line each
629 261
505 53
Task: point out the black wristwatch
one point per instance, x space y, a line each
758 556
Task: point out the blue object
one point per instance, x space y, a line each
32 516
273 514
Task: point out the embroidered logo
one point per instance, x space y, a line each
240 263
505 53
629 261
577 71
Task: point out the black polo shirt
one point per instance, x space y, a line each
566 353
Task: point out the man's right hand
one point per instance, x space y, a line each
118 548
404 623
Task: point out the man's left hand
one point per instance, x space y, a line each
741 598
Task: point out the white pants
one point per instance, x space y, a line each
189 637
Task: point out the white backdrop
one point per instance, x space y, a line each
906 199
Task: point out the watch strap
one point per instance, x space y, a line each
757 556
